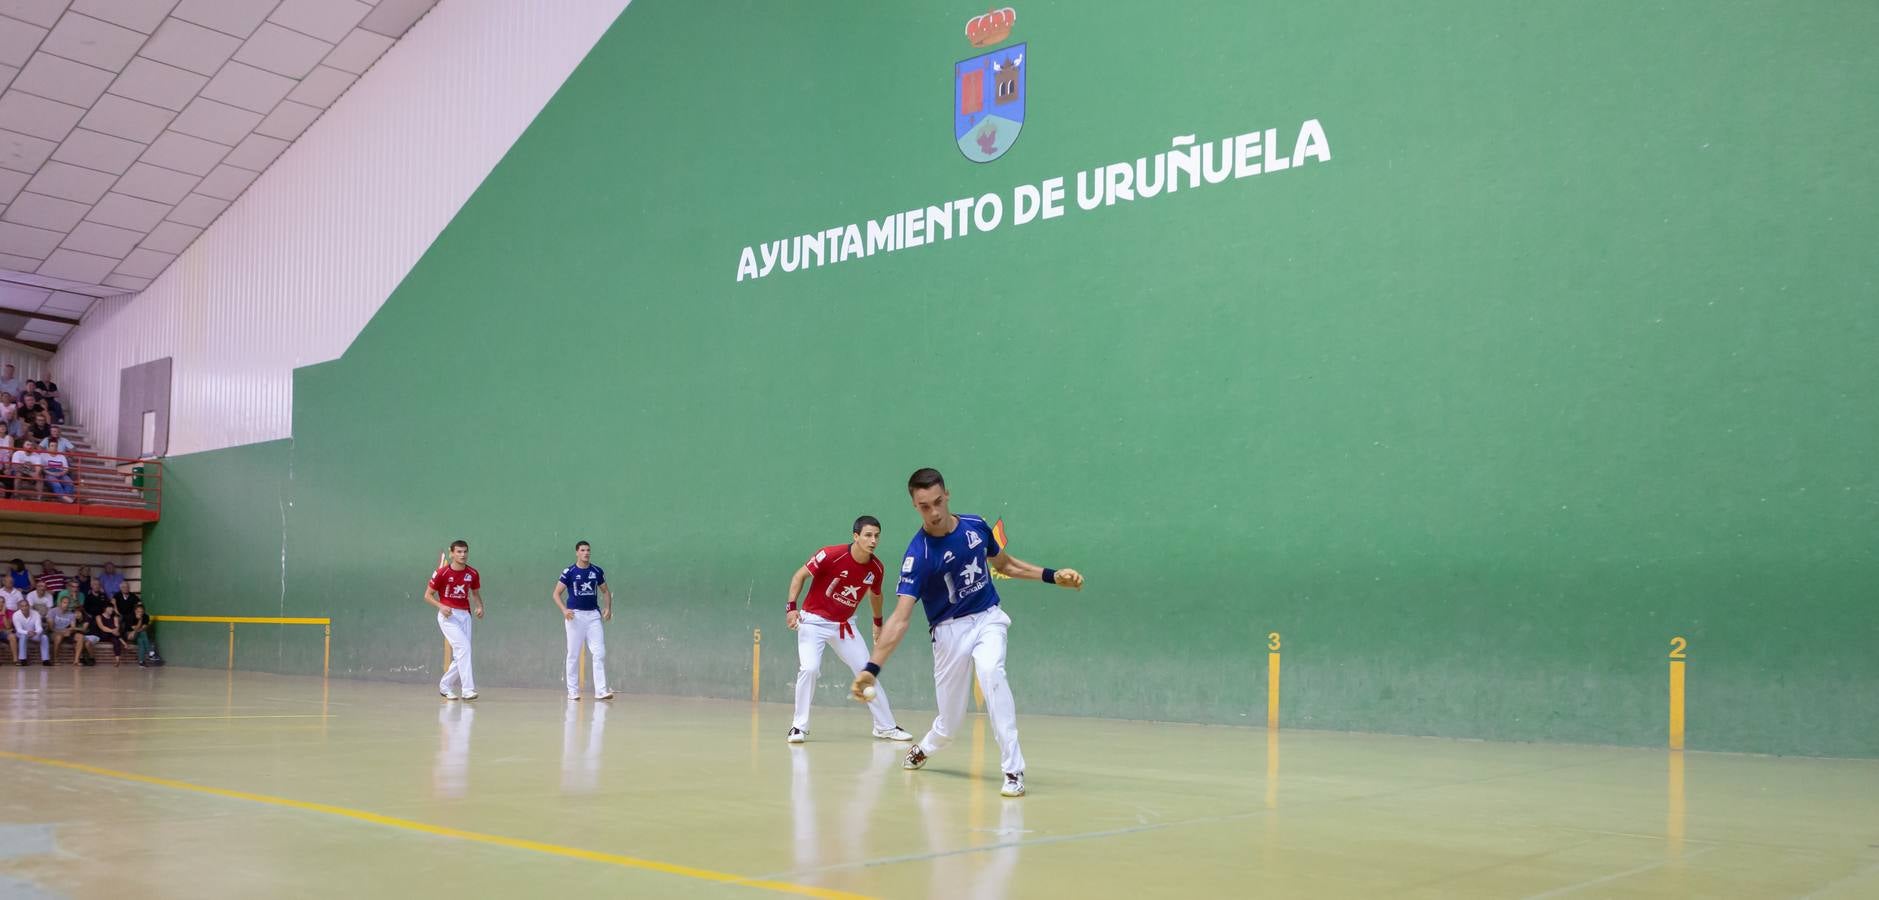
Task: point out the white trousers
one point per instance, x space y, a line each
585 627
45 646
961 647
812 632
456 628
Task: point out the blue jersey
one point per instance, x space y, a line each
583 586
949 575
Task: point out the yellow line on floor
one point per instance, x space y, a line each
360 815
167 718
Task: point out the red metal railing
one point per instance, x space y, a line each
111 486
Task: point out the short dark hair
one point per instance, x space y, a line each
455 544
864 522
925 478
579 544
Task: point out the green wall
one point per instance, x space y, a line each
1567 350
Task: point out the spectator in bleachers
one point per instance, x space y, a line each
26 484
88 595
137 628
67 623
6 633
51 579
9 382
112 581
6 464
42 600
12 597
49 395
57 440
40 427
94 603
9 406
21 579
126 606
29 625
108 627
56 470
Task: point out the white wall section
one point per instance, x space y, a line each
291 273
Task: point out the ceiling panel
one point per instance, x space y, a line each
64 180
104 240
37 116
95 150
128 126
41 211
92 41
57 78
282 51
126 118
137 15
236 17
148 182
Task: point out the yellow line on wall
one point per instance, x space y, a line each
246 620
164 718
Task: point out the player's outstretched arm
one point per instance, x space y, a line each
891 633
1013 567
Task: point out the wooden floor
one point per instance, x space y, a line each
191 783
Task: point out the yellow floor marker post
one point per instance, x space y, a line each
446 654
1272 680
326 655
231 646
1678 653
756 662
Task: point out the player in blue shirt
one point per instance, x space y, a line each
948 569
578 594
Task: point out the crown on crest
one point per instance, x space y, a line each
989 29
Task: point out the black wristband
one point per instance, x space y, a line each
872 668
1050 576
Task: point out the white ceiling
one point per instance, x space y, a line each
127 126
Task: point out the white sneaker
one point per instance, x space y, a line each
916 758
1014 785
469 695
892 734
448 695
574 698
606 696
797 735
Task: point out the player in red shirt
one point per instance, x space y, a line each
457 592
843 574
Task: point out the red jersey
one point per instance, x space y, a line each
453 587
840 582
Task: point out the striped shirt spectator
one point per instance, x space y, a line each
51 580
